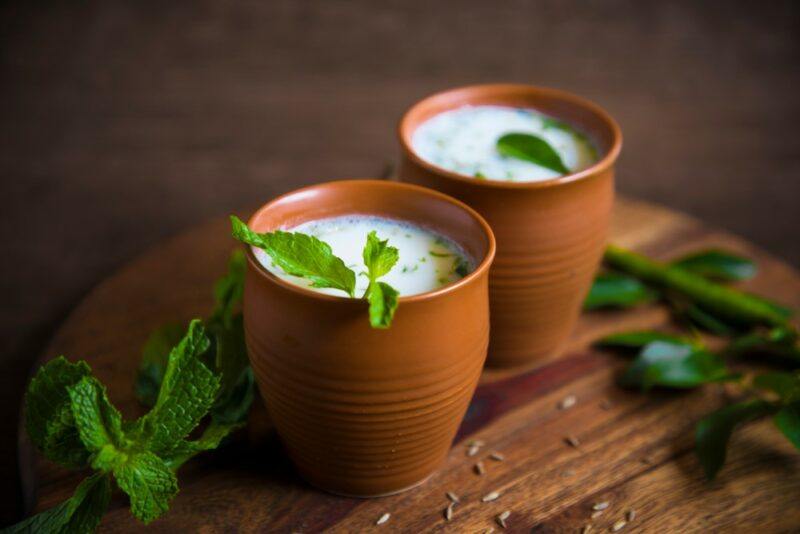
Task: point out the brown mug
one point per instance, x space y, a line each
550 234
365 411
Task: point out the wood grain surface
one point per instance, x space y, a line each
634 451
124 122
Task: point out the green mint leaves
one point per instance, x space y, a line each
80 513
531 148
148 481
226 355
300 255
48 412
187 392
306 256
379 258
71 420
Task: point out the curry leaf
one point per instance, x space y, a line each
612 290
788 421
531 148
714 431
638 339
718 265
674 365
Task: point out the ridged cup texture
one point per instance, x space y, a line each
550 234
365 411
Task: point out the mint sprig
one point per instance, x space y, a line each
379 258
306 256
71 420
226 355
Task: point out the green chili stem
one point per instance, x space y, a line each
720 300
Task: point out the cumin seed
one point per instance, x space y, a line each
600 505
473 450
383 519
490 496
619 525
448 512
453 497
572 441
567 402
630 515
479 469
585 529
497 457
501 518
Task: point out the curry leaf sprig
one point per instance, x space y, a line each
307 257
70 419
754 324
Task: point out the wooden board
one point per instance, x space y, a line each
635 453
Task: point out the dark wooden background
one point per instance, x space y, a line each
123 122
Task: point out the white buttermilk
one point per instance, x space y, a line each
464 140
427 260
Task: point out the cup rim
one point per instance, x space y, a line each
479 270
404 135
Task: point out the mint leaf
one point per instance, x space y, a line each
187 392
227 355
149 482
675 365
99 423
788 421
210 439
48 412
379 258
531 148
611 290
300 255
237 385
79 514
155 354
229 289
638 339
718 265
382 304
714 431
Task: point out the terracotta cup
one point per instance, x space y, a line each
364 411
550 234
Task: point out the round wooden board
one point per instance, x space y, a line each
636 454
